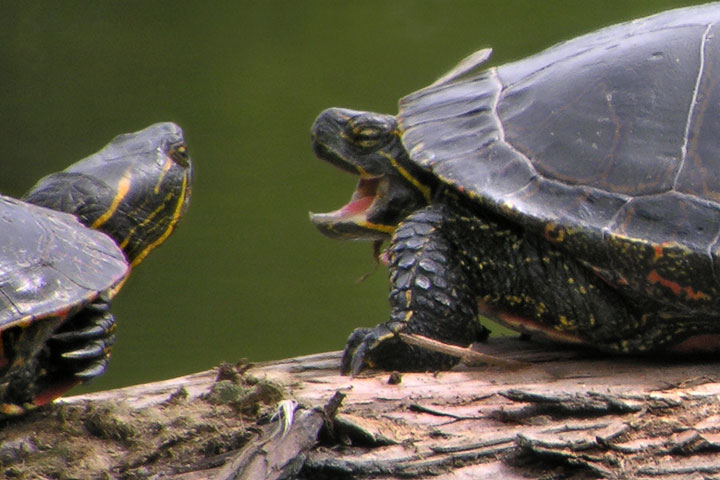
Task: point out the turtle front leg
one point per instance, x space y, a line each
430 296
48 357
82 345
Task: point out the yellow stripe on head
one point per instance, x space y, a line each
166 168
389 229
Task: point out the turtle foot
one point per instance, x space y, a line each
381 347
84 343
361 348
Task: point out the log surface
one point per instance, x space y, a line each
570 414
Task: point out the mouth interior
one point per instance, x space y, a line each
362 198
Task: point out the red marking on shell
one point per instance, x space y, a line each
54 391
659 251
654 277
698 343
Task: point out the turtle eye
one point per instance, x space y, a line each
179 154
368 136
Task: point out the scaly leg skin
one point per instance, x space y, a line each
446 258
430 296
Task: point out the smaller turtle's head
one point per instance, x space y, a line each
135 189
390 187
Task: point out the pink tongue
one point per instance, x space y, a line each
357 206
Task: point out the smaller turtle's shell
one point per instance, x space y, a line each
608 145
50 264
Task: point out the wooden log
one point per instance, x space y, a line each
570 414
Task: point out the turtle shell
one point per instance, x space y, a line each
50 267
607 145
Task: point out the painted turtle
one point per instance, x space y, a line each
67 248
575 193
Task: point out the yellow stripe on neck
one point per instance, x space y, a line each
147 220
425 190
122 190
175 217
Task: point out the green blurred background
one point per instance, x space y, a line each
246 274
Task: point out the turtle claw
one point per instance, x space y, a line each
91 360
381 347
94 370
353 358
100 305
91 350
100 328
84 344
364 349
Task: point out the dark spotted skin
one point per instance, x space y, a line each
447 258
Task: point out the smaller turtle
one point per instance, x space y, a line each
68 247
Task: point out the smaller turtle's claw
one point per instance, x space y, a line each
94 370
101 327
74 336
100 305
84 343
94 349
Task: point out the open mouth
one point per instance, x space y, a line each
351 220
362 198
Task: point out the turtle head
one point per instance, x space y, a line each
390 185
135 189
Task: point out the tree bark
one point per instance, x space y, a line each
568 414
